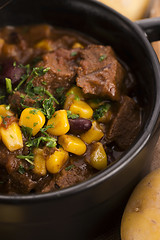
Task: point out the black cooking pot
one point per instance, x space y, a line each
77 212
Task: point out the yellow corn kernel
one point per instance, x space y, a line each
55 162
106 117
4 112
60 123
45 44
1 120
72 144
95 103
77 45
75 93
39 162
32 118
93 134
9 50
98 157
81 108
12 137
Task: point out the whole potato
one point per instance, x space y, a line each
141 218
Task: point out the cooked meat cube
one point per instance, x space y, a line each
18 99
73 176
126 124
62 70
64 42
100 73
21 183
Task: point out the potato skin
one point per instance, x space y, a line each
141 218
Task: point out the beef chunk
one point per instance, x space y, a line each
18 99
78 173
126 124
17 182
64 42
99 72
62 70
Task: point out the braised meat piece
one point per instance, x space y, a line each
62 70
126 124
64 42
76 171
16 182
99 72
19 99
72 177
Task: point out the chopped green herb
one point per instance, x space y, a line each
39 71
8 107
22 96
34 111
51 142
24 77
39 90
27 131
69 167
11 136
14 64
44 129
44 83
21 169
99 112
8 85
73 54
102 57
59 90
72 116
35 124
28 117
48 107
29 158
59 70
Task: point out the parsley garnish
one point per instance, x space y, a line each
35 124
102 57
59 90
48 107
51 142
73 54
27 131
29 158
24 77
44 129
99 112
34 111
72 116
69 167
21 169
8 85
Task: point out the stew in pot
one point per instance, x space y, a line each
69 108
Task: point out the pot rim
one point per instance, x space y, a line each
129 155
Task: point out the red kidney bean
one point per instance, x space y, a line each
79 125
11 70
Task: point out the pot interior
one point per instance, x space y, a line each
101 24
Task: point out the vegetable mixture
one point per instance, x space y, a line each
68 109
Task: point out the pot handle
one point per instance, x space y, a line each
151 26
